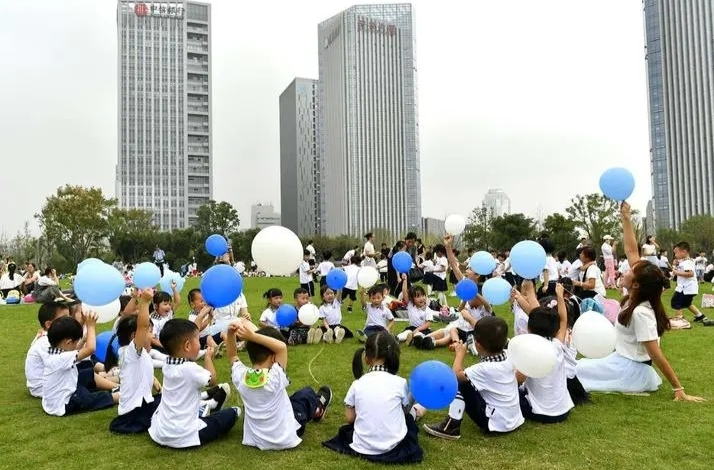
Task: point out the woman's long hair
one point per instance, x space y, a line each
648 282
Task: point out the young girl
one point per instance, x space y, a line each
546 399
420 315
523 300
325 267
381 421
136 371
331 316
441 264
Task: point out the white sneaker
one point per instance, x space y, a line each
339 335
329 336
314 336
201 353
238 411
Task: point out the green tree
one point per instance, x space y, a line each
74 221
241 242
699 231
509 229
132 235
562 231
478 229
667 238
597 215
217 217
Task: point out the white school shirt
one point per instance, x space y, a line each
268 317
459 324
551 265
549 395
378 399
520 319
700 262
351 271
348 256
175 422
136 375
269 422
478 312
325 267
687 285
441 262
564 268
311 249
428 266
35 364
7 283
570 355
624 267
59 380
419 316
574 270
496 381
382 266
331 313
158 322
593 272
305 276
642 328
663 262
378 316
229 312
606 249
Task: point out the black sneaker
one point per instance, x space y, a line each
708 322
325 396
449 429
418 341
428 343
211 392
701 318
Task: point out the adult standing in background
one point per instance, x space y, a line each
412 247
159 259
650 249
369 256
608 255
310 249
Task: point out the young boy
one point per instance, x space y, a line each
488 391
700 265
379 317
34 361
687 287
202 315
305 271
273 420
65 388
176 422
299 333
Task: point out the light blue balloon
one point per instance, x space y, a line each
617 183
88 262
146 275
496 290
528 259
165 282
98 284
482 263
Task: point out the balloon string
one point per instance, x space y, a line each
309 365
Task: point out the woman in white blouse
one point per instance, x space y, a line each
640 324
650 249
10 280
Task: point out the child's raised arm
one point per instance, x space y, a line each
231 346
90 345
143 323
279 348
562 313
632 249
177 297
405 289
453 262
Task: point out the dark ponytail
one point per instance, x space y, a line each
357 363
110 358
379 346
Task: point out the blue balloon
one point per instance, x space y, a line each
496 290
466 289
483 263
617 183
216 245
221 285
102 342
433 385
98 284
402 262
591 305
528 259
286 315
88 262
146 275
336 279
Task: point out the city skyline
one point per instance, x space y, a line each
680 79
479 121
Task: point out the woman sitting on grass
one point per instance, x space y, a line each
640 324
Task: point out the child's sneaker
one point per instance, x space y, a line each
471 345
314 336
237 410
700 318
329 336
447 429
324 394
418 341
339 335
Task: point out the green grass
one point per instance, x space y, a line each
615 432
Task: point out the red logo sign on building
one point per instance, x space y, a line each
141 9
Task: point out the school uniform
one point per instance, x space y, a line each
576 390
158 322
381 432
377 318
176 423
592 272
551 265
628 369
332 314
306 279
546 399
273 420
350 289
35 364
66 388
324 269
222 316
418 317
520 319
268 317
687 287
438 282
136 402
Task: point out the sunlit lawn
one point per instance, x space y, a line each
615 432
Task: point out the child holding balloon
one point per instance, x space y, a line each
381 418
331 316
379 317
164 307
420 315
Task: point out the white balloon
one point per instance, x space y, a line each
532 355
593 335
277 250
367 276
308 314
106 313
455 224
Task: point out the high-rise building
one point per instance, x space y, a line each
164 109
263 215
299 159
368 128
497 203
680 77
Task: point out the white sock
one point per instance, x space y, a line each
201 353
456 409
403 336
204 395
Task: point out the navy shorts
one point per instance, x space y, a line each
85 400
681 301
203 339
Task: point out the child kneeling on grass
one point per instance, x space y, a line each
176 422
273 420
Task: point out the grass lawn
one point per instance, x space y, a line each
615 432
